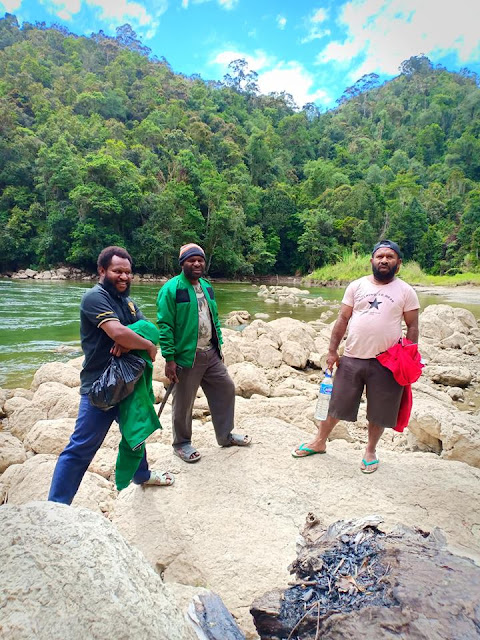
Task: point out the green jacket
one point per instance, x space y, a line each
177 317
136 414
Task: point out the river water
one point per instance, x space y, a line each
40 319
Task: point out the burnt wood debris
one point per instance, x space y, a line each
353 579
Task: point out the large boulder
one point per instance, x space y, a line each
12 451
62 372
296 331
68 573
57 400
268 356
295 354
440 321
31 481
438 427
49 436
51 400
15 404
249 380
232 351
22 420
260 329
455 341
450 375
236 318
4 395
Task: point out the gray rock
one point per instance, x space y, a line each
249 380
12 451
456 393
451 376
67 573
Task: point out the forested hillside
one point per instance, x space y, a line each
103 144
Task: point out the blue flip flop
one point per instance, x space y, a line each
308 452
369 464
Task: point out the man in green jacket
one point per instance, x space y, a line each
191 340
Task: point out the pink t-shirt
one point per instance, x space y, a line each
376 322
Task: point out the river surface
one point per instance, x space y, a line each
40 320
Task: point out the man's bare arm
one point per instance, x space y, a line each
411 320
338 331
127 338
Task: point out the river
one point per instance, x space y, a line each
37 319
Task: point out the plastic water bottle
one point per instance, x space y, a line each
326 386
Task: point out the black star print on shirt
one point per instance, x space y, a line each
374 304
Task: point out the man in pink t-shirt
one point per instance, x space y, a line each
373 308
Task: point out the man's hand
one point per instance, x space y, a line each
338 331
171 371
118 350
125 339
152 351
332 358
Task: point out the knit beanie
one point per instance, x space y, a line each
189 250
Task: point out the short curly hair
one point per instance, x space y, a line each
105 257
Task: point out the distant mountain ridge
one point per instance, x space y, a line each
101 144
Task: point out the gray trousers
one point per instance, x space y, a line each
211 374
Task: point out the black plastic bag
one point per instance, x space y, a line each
117 381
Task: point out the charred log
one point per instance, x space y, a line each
354 580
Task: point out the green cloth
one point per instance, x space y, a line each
136 414
177 318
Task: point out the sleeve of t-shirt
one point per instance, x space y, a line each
97 308
349 295
411 300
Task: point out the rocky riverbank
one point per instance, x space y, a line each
230 522
72 273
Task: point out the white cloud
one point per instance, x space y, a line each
281 22
259 60
64 9
114 12
121 11
315 31
293 78
11 5
226 4
383 33
320 15
277 76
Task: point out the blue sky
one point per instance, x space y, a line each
313 50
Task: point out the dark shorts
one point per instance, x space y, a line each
383 392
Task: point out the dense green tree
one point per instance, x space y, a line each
101 143
408 228
317 242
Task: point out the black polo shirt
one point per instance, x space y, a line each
97 307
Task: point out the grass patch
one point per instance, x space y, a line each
354 266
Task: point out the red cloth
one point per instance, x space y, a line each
404 361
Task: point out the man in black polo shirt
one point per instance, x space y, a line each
105 313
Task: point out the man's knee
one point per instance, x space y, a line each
228 386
